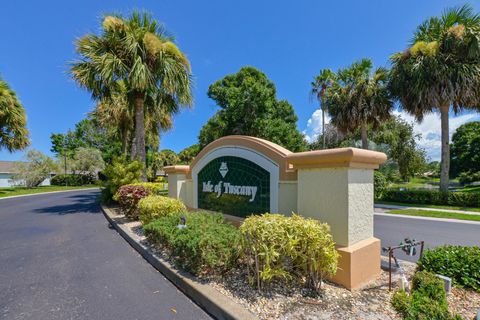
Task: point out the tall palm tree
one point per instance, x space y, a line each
13 121
320 85
138 51
440 70
359 99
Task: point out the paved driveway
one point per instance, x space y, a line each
59 260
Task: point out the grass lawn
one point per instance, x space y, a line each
428 206
436 214
17 191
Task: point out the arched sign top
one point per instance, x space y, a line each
270 150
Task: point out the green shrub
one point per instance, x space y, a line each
276 246
433 197
462 264
128 197
426 301
205 245
468 177
72 179
153 187
380 184
118 174
154 207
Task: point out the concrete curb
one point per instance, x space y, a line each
47 192
426 218
207 297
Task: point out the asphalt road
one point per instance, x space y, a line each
59 260
393 229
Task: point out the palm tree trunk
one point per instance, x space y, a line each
323 126
140 132
445 163
364 136
124 133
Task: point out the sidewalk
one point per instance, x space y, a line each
381 208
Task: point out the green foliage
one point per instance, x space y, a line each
462 264
427 300
118 174
36 168
154 207
468 177
72 180
380 184
13 120
434 197
249 106
205 245
128 197
276 246
186 155
465 152
87 161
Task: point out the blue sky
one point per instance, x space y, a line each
288 40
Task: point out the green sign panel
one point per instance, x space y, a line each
235 186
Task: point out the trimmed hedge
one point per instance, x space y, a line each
462 264
427 300
434 197
128 197
154 207
276 246
205 245
72 179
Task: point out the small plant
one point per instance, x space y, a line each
154 187
462 264
154 207
380 184
205 245
118 174
427 300
276 246
128 198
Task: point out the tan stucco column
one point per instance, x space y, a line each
177 176
336 186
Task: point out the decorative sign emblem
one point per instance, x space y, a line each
244 191
223 169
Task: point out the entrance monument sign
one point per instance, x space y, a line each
241 175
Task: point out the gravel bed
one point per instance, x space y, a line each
290 301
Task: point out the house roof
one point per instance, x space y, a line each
8 166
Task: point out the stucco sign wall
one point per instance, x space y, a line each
233 185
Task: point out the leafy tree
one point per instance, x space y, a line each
88 161
322 82
137 52
166 157
249 106
13 121
401 146
332 137
36 168
359 99
466 149
440 70
186 155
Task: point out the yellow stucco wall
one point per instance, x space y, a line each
287 197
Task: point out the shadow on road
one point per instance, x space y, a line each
84 203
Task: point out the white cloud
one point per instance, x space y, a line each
430 130
314 125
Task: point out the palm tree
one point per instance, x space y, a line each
359 99
138 52
320 85
440 70
13 121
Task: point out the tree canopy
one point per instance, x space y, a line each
249 106
466 149
13 121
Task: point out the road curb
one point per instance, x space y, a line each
426 218
207 297
47 192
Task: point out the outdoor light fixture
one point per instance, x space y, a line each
183 223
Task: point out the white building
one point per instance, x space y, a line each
7 172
